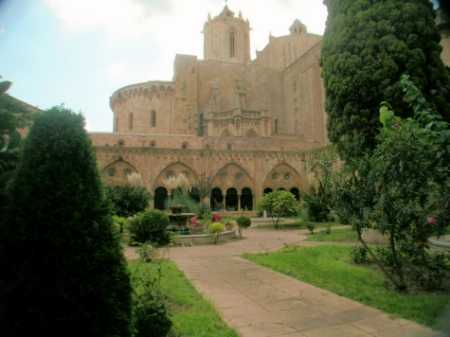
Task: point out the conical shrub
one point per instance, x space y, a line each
62 269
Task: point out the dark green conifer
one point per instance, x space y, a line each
62 269
368 45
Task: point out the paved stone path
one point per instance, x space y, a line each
258 302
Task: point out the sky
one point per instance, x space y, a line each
78 52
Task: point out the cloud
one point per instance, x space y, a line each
116 18
2 29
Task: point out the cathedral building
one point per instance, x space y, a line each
246 127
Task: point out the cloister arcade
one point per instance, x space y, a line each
231 188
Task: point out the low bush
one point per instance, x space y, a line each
278 204
216 228
146 252
119 223
128 200
243 222
184 201
150 317
311 226
204 211
359 255
149 226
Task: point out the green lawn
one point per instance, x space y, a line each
300 225
191 314
336 235
330 267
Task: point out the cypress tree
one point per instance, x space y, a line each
368 45
63 271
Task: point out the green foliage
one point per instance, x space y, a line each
192 315
119 223
150 313
402 189
278 204
366 48
146 252
13 116
311 226
359 255
63 271
330 267
244 222
189 205
128 200
216 228
337 235
318 202
149 226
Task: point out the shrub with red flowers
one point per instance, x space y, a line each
216 217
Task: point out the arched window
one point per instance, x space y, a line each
247 199
216 199
232 44
296 192
275 129
231 200
153 118
161 196
267 190
130 121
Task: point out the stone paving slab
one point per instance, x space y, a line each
258 302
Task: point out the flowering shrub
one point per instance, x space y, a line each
216 217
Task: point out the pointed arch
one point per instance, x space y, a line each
233 175
173 170
283 177
116 172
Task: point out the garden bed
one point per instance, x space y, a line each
191 314
204 239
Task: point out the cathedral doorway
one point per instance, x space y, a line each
161 198
216 199
247 199
232 200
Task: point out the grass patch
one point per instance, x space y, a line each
336 235
191 314
330 267
301 224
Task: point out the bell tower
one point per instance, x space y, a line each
227 38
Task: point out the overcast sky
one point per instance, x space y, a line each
77 52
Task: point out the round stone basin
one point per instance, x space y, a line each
180 219
204 239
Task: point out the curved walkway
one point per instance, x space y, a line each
258 302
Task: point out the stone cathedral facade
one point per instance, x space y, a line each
246 126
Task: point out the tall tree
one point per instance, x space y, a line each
63 272
368 45
12 117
